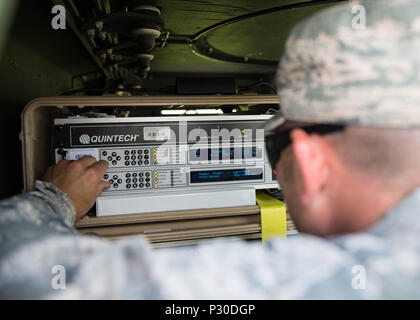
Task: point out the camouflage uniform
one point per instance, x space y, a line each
36 234
330 73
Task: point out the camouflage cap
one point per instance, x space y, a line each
336 71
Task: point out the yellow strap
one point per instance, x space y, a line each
273 216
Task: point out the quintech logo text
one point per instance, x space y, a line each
86 139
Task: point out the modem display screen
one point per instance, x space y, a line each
226 154
226 175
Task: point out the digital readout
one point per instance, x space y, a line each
226 153
226 175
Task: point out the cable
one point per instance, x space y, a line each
200 45
272 111
102 90
262 83
276 193
259 13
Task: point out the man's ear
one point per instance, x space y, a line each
309 152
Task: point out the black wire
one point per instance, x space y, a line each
258 84
102 90
200 45
87 90
297 5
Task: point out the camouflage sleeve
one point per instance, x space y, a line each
47 206
37 240
302 267
36 236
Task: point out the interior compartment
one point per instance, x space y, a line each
38 154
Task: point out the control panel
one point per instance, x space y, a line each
134 180
133 157
149 154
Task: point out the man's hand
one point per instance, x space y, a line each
81 180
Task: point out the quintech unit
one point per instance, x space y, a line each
171 163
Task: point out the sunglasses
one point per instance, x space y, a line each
280 139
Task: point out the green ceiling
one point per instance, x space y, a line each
38 60
260 37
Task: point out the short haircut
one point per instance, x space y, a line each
387 153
